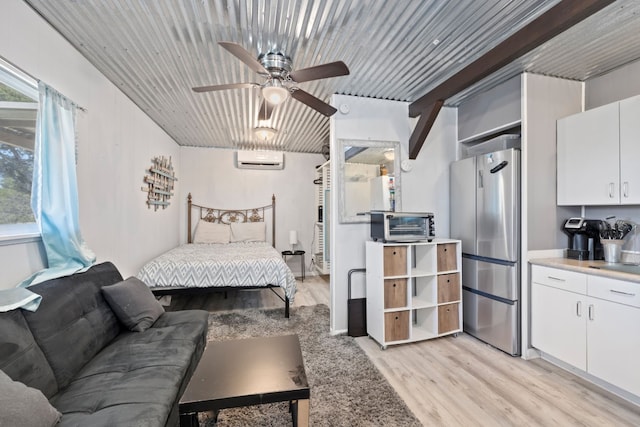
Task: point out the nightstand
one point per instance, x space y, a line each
285 254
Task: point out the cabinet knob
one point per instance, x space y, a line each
394 285
394 252
397 317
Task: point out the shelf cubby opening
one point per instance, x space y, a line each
424 291
424 259
424 323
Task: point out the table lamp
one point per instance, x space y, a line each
293 239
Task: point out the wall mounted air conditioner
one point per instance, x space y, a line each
259 159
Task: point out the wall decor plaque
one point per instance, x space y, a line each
160 179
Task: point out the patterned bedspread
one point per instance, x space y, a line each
208 265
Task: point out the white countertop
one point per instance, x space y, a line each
587 267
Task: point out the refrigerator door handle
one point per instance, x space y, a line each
498 168
480 183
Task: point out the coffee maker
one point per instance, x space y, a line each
584 238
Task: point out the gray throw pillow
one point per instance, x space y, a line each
133 303
24 406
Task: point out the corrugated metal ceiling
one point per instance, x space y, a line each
157 50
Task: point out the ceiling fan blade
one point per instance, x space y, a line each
225 87
313 102
244 56
324 71
266 109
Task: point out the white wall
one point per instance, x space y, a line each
545 100
213 180
422 188
426 187
116 142
618 84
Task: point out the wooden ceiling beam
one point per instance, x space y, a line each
548 25
424 125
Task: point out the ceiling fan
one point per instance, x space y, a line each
281 81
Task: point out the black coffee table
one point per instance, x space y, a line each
247 372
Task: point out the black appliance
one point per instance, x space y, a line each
584 238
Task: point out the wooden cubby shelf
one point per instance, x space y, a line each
414 290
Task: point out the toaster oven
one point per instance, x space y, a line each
402 226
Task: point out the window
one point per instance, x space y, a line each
18 110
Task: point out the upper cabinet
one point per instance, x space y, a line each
630 151
596 156
589 157
491 112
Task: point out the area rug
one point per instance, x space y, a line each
346 388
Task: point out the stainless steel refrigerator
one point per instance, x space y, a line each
485 216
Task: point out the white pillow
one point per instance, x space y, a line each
209 232
248 232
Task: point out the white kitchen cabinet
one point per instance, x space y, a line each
491 112
589 322
589 157
630 151
597 156
414 290
613 338
558 311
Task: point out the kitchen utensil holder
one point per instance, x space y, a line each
612 249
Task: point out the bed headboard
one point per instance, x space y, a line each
227 216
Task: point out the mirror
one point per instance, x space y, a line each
368 178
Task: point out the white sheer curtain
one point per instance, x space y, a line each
54 198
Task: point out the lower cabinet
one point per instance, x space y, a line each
558 316
613 340
588 322
414 291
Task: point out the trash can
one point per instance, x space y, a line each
356 309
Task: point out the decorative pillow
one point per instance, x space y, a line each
209 232
133 303
248 232
24 406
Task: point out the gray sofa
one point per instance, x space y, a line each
90 367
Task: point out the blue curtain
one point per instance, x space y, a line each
54 197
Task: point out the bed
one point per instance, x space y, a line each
227 250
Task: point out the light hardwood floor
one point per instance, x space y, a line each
461 381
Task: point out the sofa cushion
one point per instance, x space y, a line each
24 406
138 378
133 303
20 356
74 321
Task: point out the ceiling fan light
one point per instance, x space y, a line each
274 93
264 133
